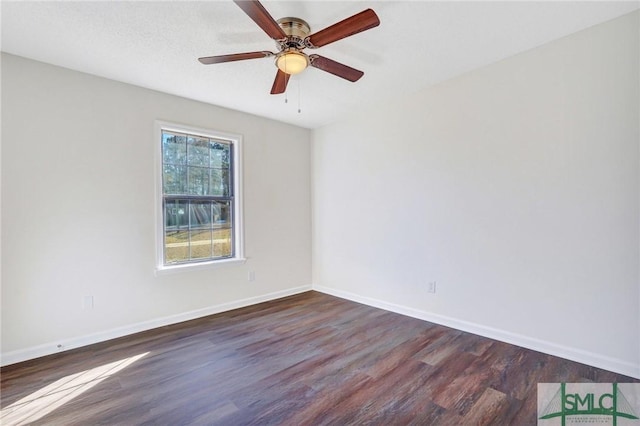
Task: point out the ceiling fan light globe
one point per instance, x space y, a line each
292 62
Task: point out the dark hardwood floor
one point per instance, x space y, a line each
303 360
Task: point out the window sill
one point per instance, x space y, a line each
167 270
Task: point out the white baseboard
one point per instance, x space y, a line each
573 354
77 342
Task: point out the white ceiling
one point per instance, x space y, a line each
418 44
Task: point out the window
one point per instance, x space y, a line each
199 217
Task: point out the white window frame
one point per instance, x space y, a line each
238 225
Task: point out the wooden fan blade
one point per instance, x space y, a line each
208 60
280 83
335 68
260 16
362 21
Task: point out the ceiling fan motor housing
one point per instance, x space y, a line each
296 30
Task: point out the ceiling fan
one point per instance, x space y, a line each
292 37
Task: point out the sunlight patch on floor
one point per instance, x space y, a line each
45 400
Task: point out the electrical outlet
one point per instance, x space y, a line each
251 276
431 287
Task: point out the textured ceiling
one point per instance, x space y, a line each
156 45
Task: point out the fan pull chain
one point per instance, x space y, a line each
299 109
286 97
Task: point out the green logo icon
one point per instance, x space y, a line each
588 402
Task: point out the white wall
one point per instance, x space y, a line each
515 187
78 210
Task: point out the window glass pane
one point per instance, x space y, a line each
222 214
174 148
197 151
222 242
201 244
220 155
198 181
174 179
200 214
220 182
176 246
175 215
198 168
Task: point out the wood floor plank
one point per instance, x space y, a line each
309 359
